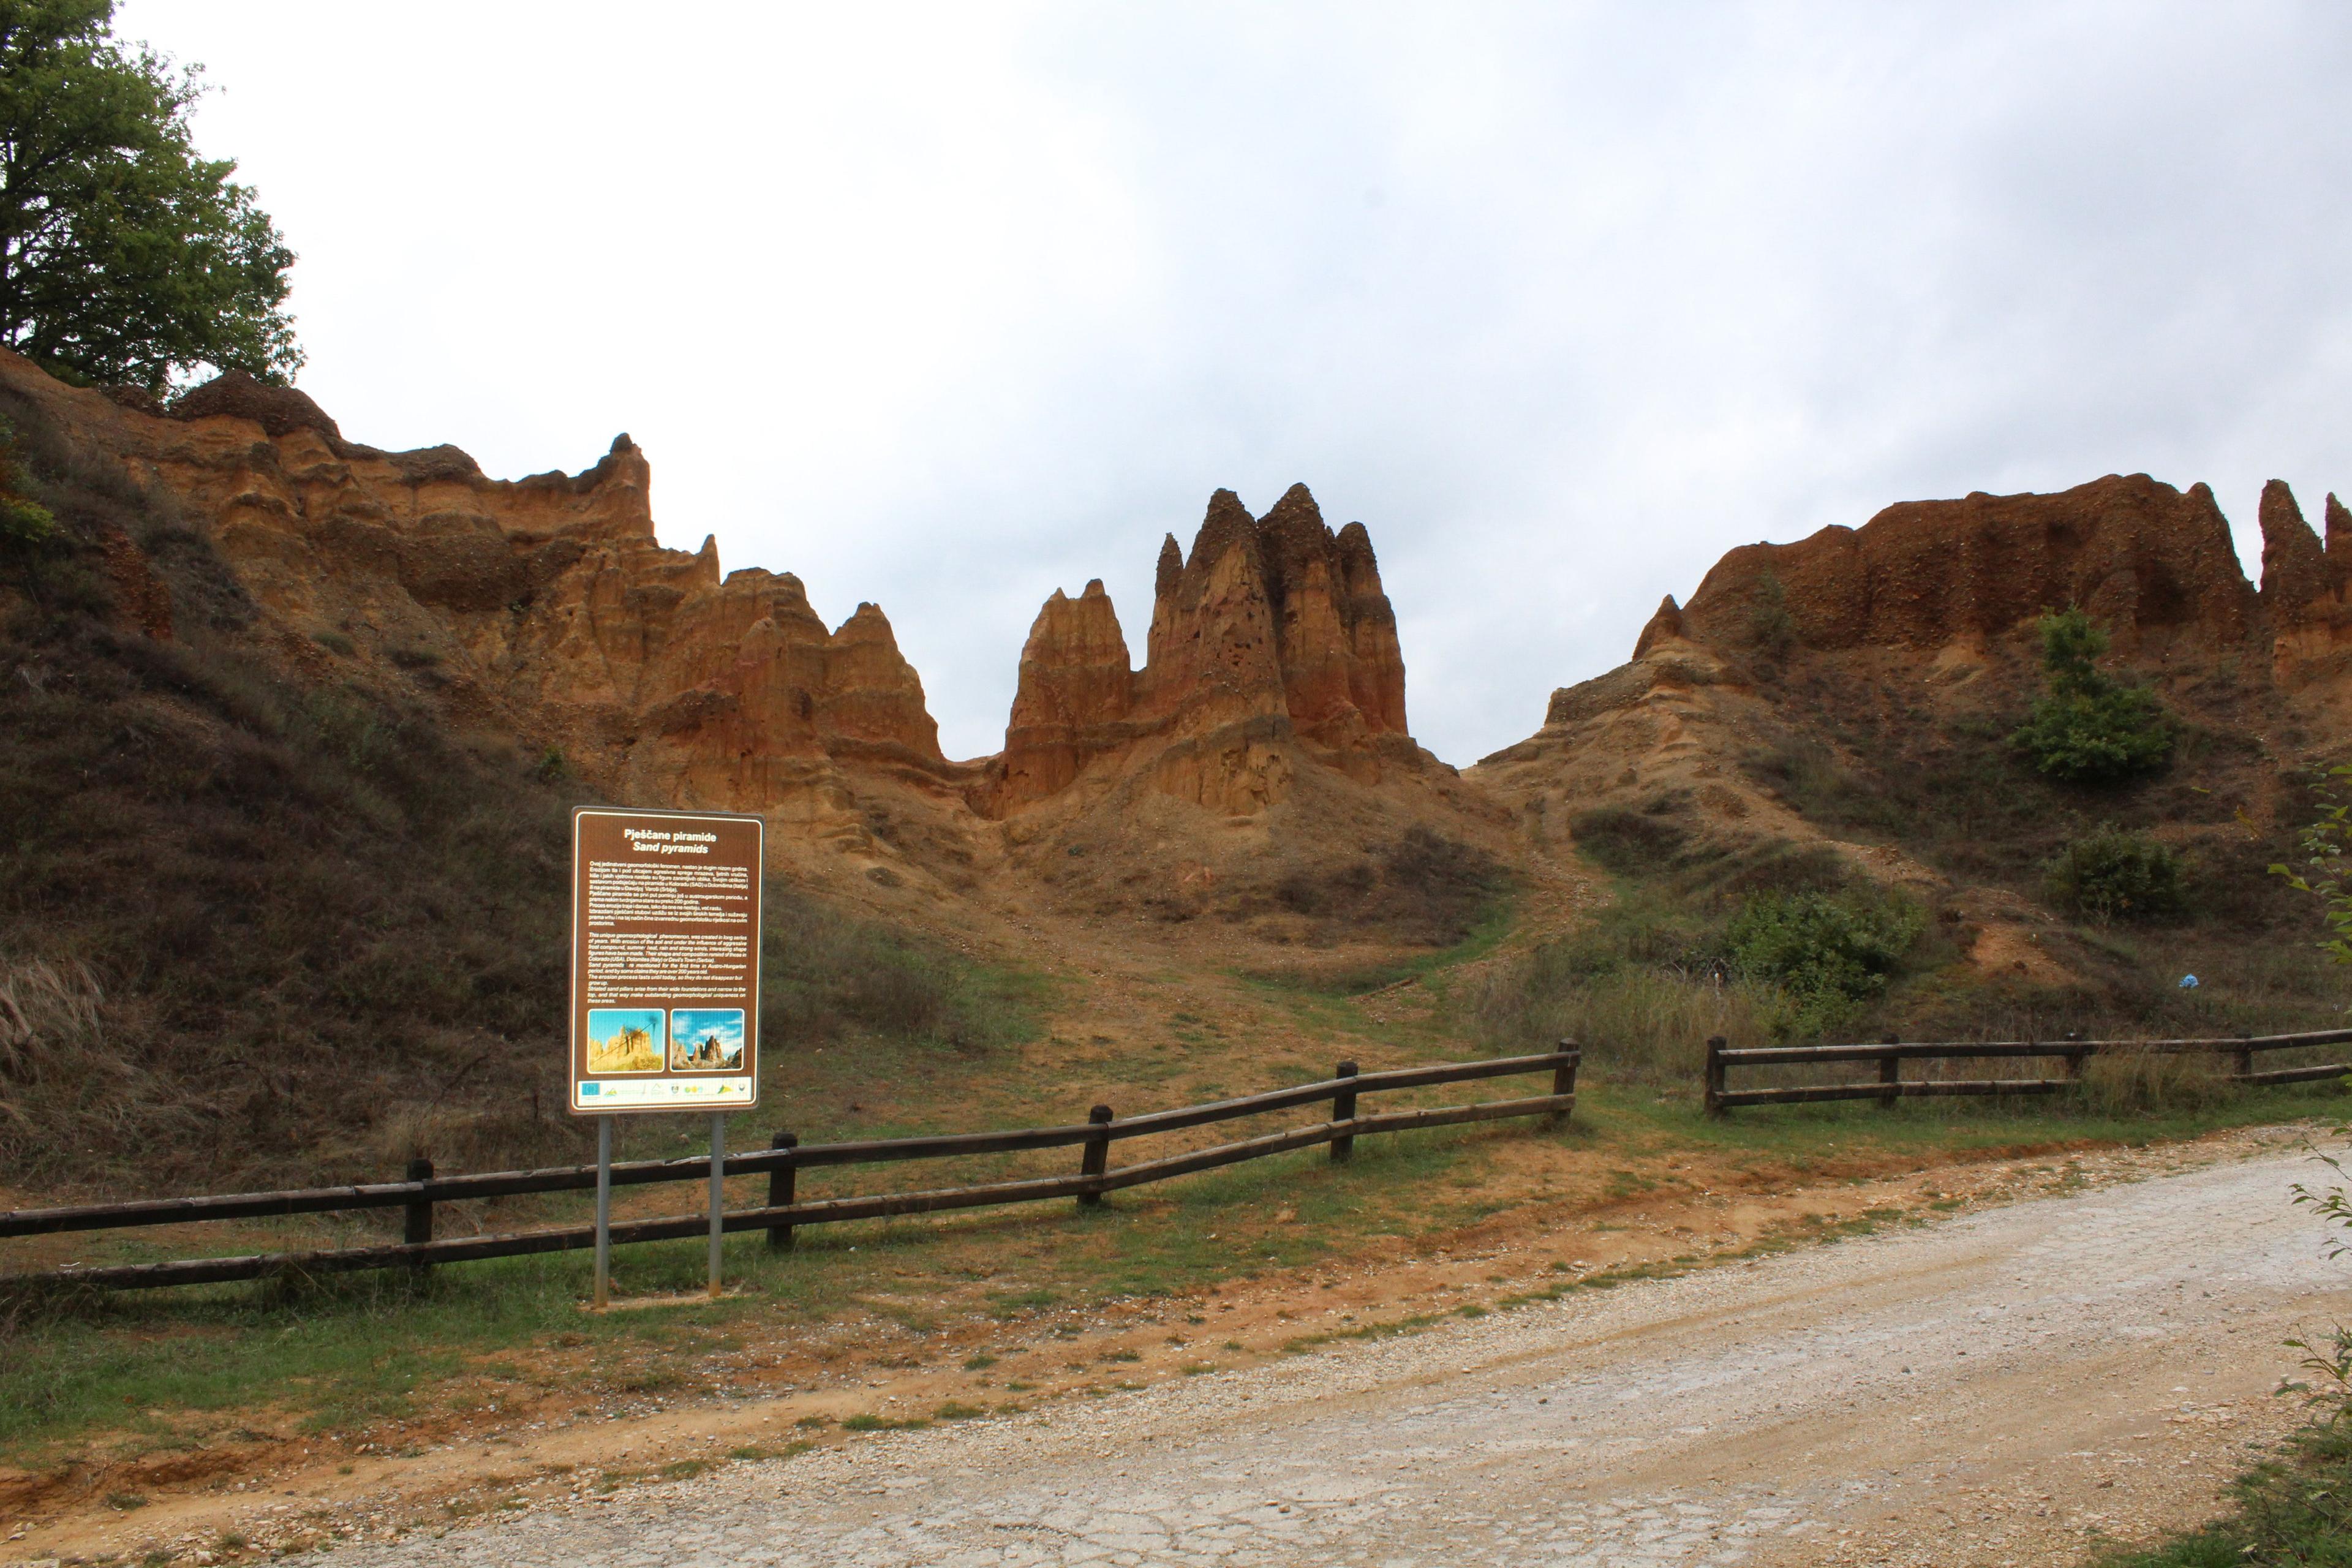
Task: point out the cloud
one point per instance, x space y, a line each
946 307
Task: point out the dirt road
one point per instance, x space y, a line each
1999 1388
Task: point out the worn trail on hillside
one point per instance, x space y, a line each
2001 1387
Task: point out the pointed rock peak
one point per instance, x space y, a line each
1356 543
2294 568
1058 597
1665 625
1172 567
2339 527
621 443
1094 589
2279 508
868 621
1227 523
1296 502
1225 507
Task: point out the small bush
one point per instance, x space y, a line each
2087 728
26 526
1826 951
1770 625
2112 874
1629 843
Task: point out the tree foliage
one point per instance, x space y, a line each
2327 859
1826 950
124 256
2114 874
2087 727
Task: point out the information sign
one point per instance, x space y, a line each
665 961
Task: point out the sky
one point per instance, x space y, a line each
946 307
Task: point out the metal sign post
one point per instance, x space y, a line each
665 1011
718 1190
604 1209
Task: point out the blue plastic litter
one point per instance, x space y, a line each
2189 982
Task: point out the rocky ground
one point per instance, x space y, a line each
2009 1386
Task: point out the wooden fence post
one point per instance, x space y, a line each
417 1217
1715 1106
1890 1072
783 1180
1097 1159
1563 1079
2075 1059
1343 1108
2245 1060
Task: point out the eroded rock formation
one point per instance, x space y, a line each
543 606
2151 563
1275 634
546 608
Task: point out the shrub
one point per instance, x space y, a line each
23 524
1826 951
1770 625
1627 842
2087 728
2116 875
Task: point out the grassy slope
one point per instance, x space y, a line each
255 929
1877 765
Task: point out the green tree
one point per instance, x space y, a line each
2087 727
124 256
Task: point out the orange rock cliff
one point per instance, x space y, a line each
2154 564
546 608
1272 674
1275 632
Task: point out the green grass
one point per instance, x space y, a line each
340 1356
2292 1508
1493 926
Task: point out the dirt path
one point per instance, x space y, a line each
2002 1387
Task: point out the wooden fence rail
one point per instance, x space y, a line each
1890 1054
783 1161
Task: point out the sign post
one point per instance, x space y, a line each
718 1191
664 1010
604 1208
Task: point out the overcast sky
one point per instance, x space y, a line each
947 307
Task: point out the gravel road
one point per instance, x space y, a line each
2005 1387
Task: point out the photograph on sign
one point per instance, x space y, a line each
665 960
625 1039
706 1039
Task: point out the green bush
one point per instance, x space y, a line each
26 527
1630 842
2087 728
1770 625
1826 951
2113 875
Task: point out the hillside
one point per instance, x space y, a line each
1839 712
291 723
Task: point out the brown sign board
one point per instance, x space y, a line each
665 961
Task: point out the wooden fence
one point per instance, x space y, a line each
1890 1054
783 1160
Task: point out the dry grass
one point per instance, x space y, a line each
53 1040
2126 1082
1636 1025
